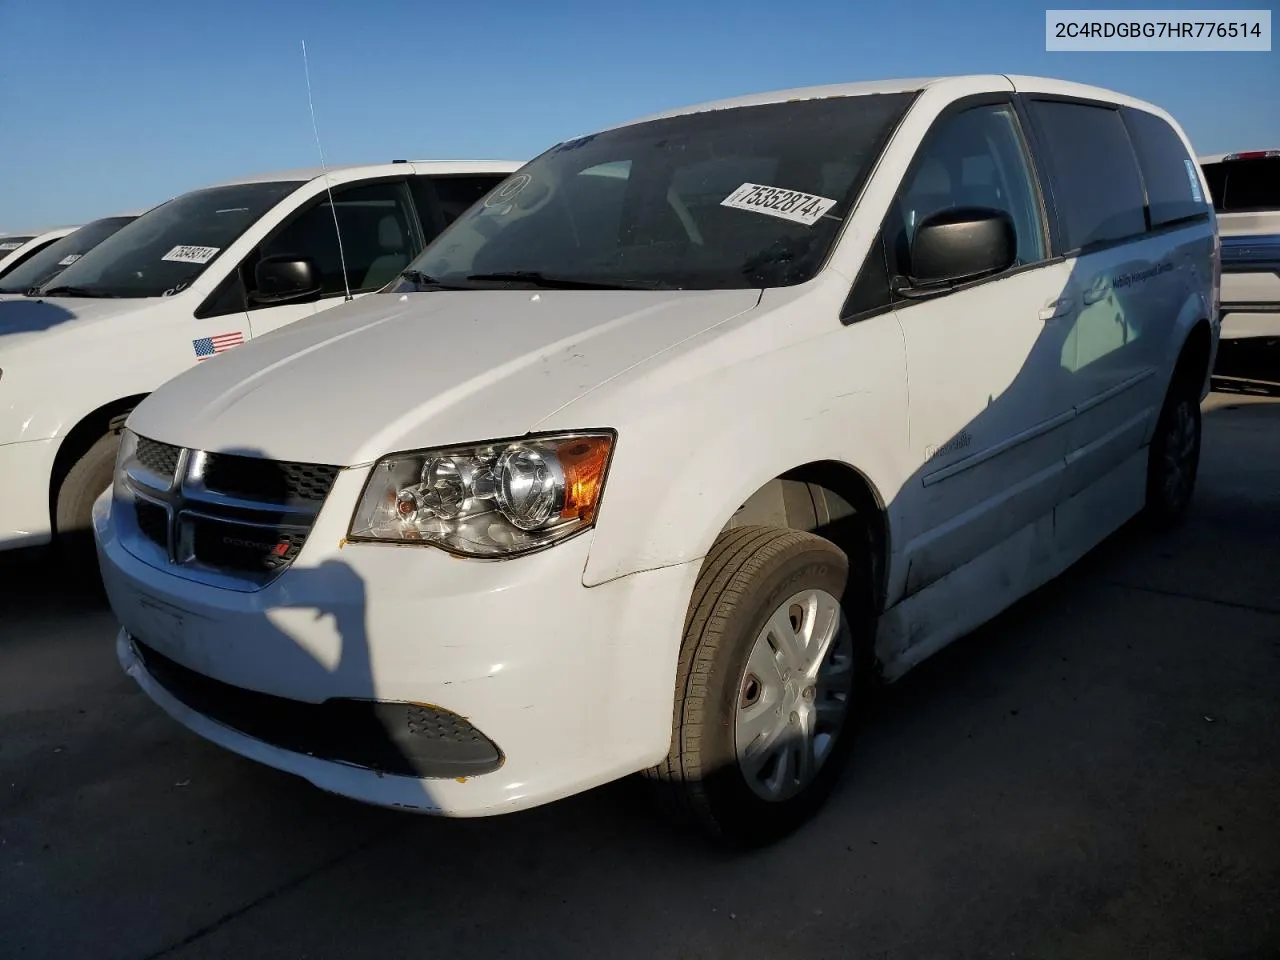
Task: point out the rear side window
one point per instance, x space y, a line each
1246 185
1173 185
1097 190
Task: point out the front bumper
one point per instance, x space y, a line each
25 468
573 685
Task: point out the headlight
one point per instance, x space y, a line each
489 500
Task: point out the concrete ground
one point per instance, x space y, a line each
1096 774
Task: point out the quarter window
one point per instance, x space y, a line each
1097 190
1173 183
974 159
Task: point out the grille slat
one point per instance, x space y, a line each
159 458
273 481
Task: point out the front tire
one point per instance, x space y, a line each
767 694
88 477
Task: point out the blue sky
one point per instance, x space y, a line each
108 106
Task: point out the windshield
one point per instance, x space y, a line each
165 249
1244 185
59 254
733 198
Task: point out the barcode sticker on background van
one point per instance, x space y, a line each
185 253
7 245
793 205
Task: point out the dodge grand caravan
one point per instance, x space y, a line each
657 458
192 278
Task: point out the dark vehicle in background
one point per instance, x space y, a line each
43 266
1246 195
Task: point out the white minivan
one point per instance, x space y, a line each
661 455
47 263
190 279
16 246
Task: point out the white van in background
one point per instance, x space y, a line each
44 265
17 245
189 279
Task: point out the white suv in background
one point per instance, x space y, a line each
191 278
1246 195
661 454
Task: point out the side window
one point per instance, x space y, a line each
441 200
377 238
1096 187
456 194
974 159
1169 172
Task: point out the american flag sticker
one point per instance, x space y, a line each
207 347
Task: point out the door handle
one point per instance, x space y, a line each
1057 308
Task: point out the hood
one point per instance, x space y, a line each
399 372
26 320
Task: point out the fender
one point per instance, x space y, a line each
702 445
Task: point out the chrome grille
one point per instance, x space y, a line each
219 516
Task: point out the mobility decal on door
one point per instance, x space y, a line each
207 347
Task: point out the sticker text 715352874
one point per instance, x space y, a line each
793 205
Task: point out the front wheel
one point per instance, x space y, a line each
769 674
87 479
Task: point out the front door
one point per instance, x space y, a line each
373 238
988 412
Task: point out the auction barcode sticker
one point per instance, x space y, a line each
184 253
69 259
806 208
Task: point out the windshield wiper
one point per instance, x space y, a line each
422 280
65 291
536 279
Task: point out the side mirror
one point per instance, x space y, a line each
282 278
967 243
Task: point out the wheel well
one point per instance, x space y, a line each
1193 361
834 501
81 437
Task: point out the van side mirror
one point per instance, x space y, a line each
283 278
967 243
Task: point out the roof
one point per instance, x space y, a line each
1219 157
36 233
354 171
995 82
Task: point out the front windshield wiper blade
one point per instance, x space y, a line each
423 280
65 291
536 279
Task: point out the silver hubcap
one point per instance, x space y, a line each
1179 447
793 695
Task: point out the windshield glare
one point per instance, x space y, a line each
735 198
165 249
60 254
